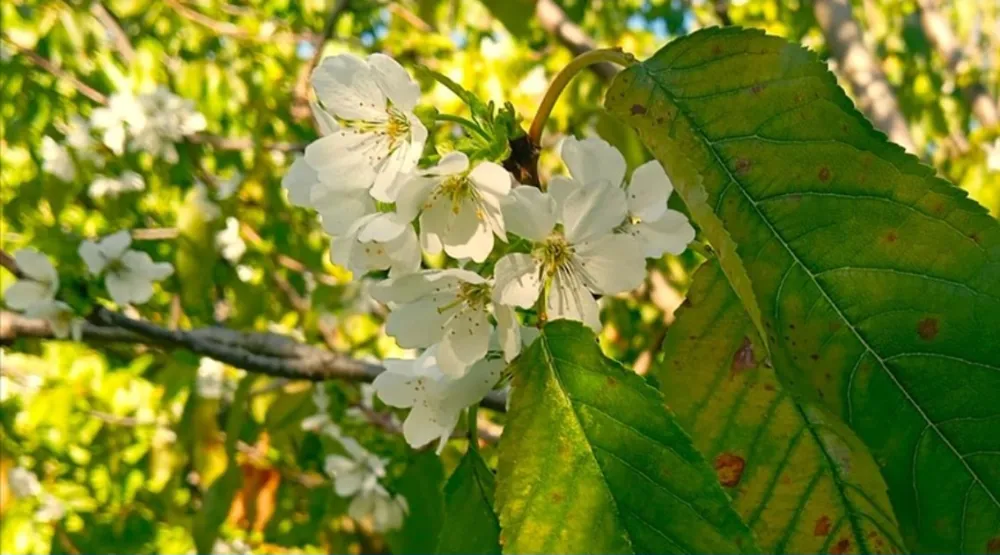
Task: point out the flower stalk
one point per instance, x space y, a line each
581 62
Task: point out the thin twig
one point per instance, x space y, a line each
114 28
83 88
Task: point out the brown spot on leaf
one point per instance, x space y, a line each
611 382
891 237
743 359
769 386
822 526
993 546
975 238
729 469
824 174
743 166
638 109
756 88
716 50
556 497
814 356
843 546
927 328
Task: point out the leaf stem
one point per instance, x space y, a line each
465 123
473 417
581 62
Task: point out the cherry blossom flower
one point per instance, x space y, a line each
657 228
378 241
23 483
129 274
384 510
229 242
459 209
56 160
122 111
575 252
104 186
436 400
449 307
39 283
372 135
359 471
60 316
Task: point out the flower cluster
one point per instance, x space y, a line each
510 252
358 474
151 122
128 276
24 484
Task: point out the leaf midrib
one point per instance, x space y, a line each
796 260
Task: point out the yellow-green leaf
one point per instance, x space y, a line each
591 461
876 284
800 480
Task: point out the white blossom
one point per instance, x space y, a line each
993 156
122 111
129 274
51 509
168 119
570 261
385 511
357 472
229 242
321 422
60 316
658 229
23 483
378 241
202 202
211 382
128 181
39 283
459 209
56 160
229 185
78 137
372 135
436 400
449 307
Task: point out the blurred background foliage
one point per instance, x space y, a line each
119 437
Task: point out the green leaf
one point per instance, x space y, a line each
421 485
801 480
471 525
591 461
877 284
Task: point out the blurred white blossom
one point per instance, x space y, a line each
56 160
39 283
23 483
229 242
129 274
128 181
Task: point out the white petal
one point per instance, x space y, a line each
397 388
25 293
338 210
324 121
140 264
468 236
425 424
518 280
126 287
347 158
529 213
471 388
455 162
508 331
413 193
36 266
491 179
593 160
347 87
611 264
390 175
91 254
467 337
299 182
560 187
569 299
418 138
420 323
396 83
648 191
383 228
404 252
115 245
671 233
593 211
430 242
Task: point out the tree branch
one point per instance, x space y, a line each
60 73
941 36
872 91
300 93
555 21
114 28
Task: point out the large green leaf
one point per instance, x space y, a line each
799 478
472 526
877 285
421 485
591 461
